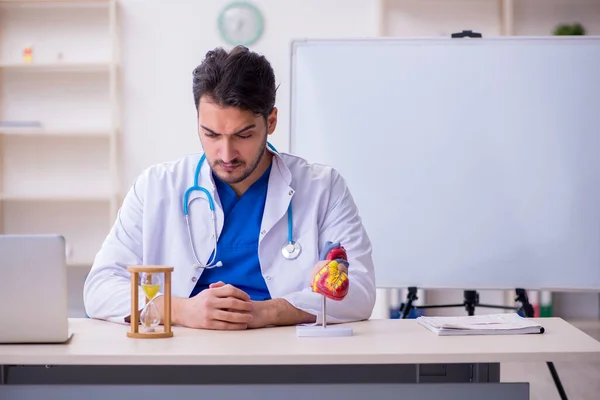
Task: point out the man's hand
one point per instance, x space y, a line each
220 307
260 315
277 312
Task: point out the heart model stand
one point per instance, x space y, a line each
330 281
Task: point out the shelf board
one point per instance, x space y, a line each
80 264
40 132
58 66
52 2
54 198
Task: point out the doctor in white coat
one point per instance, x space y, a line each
268 215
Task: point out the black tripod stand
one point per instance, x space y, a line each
471 300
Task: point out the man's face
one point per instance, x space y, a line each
234 140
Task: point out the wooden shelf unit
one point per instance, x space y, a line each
59 169
65 133
58 67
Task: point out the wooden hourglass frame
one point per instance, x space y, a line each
135 309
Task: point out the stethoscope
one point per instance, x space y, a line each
291 250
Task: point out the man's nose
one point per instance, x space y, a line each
227 151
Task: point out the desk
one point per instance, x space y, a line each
383 356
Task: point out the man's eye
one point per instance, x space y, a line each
245 136
210 135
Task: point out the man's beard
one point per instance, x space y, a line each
248 171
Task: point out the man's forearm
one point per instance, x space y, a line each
281 312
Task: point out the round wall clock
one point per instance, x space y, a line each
240 23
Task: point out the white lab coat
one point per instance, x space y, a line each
150 229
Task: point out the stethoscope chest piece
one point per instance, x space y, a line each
291 251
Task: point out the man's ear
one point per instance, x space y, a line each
272 121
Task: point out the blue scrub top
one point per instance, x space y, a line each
237 247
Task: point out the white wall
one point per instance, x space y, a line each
164 41
441 17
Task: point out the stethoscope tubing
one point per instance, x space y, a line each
289 251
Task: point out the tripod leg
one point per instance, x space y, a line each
557 382
525 304
406 307
471 300
528 312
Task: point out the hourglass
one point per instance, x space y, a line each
146 323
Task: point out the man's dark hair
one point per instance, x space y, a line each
240 78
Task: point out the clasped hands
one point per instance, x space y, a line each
221 307
225 307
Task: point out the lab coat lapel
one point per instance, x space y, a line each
279 194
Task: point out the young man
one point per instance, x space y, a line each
272 215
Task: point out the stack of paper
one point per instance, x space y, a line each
494 324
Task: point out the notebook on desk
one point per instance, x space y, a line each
493 324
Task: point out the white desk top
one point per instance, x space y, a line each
374 342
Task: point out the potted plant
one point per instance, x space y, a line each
569 30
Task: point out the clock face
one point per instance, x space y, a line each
240 23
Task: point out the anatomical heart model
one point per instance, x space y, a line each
331 281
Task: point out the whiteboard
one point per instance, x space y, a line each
475 163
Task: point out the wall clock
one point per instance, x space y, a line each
240 23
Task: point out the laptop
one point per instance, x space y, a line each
33 289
